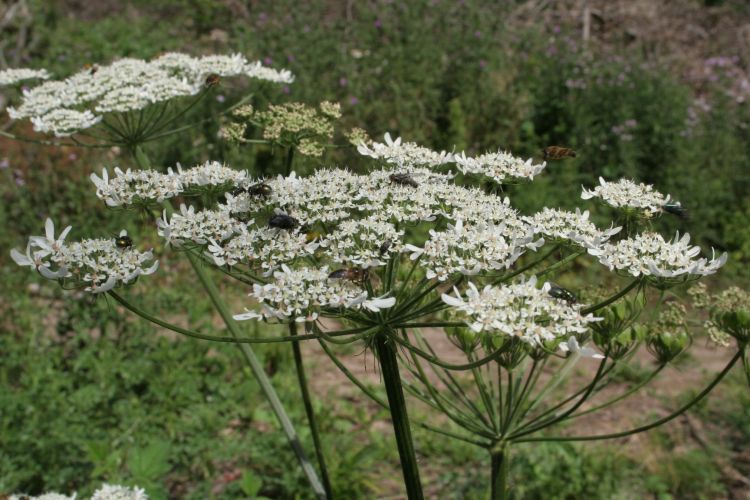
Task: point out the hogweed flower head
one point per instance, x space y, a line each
14 76
404 154
626 194
96 265
571 227
501 167
300 294
663 263
64 107
520 310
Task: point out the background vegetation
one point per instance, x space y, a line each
656 91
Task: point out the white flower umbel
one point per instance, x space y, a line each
117 492
264 249
363 243
67 106
627 194
519 310
211 173
14 76
96 265
198 227
45 496
650 255
501 167
300 294
470 249
575 227
139 186
64 122
404 154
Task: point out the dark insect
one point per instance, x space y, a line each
212 80
561 293
283 221
403 179
93 68
124 241
351 274
385 247
676 209
261 189
558 153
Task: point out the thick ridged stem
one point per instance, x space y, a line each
386 351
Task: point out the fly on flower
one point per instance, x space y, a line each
352 274
403 179
283 221
558 153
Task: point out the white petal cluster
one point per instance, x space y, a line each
363 243
45 496
264 248
501 167
64 122
13 76
129 187
96 265
299 295
200 227
211 173
519 310
649 255
628 194
573 226
404 154
117 492
66 106
470 249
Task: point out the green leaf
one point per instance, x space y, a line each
150 463
250 484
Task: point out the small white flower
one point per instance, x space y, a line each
500 166
117 492
572 346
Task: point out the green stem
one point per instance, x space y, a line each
260 375
386 352
560 264
500 460
289 161
647 427
305 391
611 299
525 268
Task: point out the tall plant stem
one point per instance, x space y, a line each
289 161
260 375
311 421
500 459
386 352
